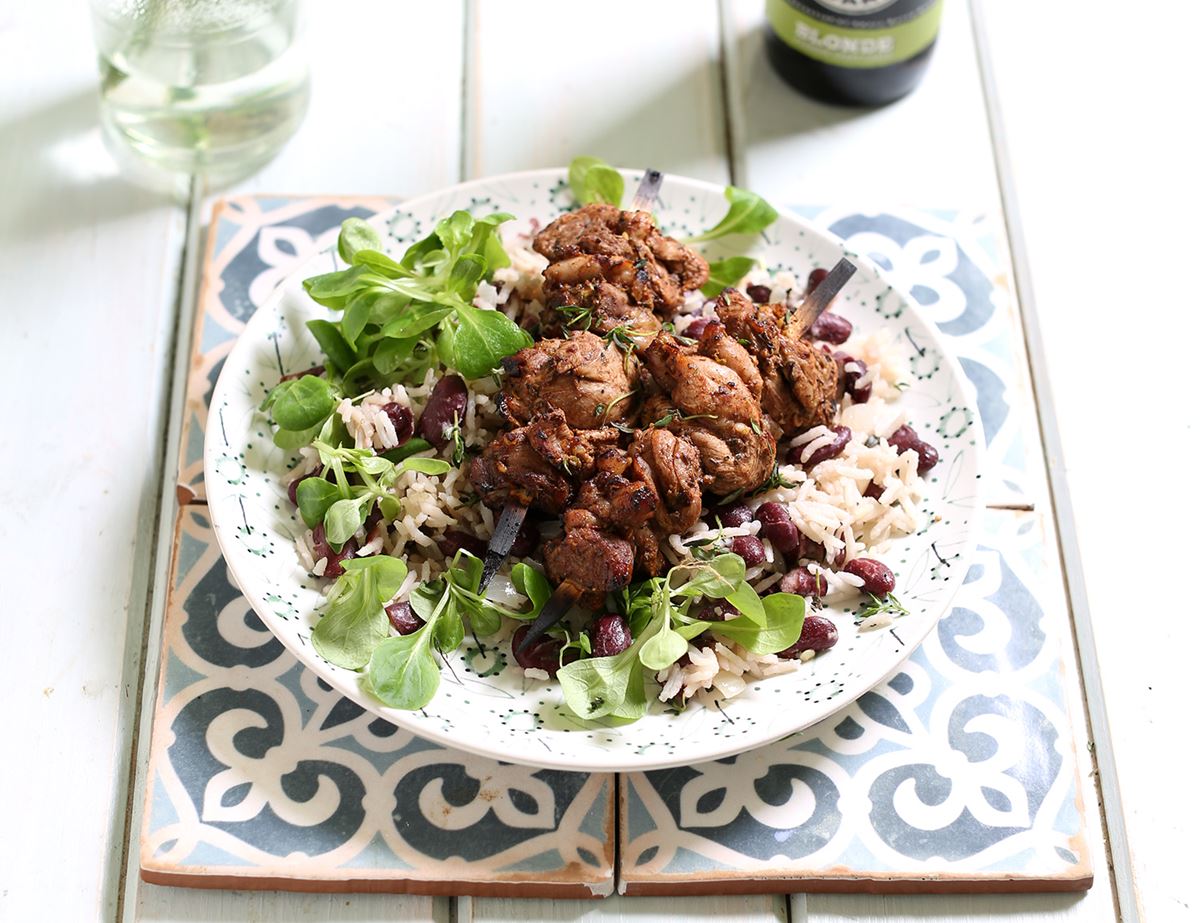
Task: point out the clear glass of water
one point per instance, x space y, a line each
201 86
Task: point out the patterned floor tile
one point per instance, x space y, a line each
261 776
958 772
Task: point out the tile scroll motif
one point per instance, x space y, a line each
959 771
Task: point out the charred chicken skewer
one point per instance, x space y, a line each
513 514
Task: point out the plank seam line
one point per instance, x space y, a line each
1095 714
727 73
180 339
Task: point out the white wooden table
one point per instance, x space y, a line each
1088 123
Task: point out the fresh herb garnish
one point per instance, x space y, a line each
674 414
879 606
592 180
748 214
575 317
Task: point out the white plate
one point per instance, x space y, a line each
504 715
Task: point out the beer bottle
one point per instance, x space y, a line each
852 52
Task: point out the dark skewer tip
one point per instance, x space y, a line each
503 537
822 296
552 613
647 191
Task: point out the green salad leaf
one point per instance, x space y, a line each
354 622
613 688
405 675
592 180
393 312
725 273
748 214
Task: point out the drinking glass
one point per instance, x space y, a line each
201 86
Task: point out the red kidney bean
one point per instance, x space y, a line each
333 559
696 328
749 549
759 294
447 403
802 583
609 635
455 539
713 610
402 421
784 537
772 512
527 540
296 483
853 371
734 515
832 328
815 278
402 617
877 577
818 634
873 490
542 654
905 438
838 559
841 439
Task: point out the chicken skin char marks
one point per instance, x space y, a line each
616 269
612 514
591 380
699 394
801 384
538 464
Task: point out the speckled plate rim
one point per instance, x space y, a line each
341 680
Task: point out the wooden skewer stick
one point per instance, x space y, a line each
503 536
820 297
552 613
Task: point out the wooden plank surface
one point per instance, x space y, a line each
1108 196
183 905
929 150
88 271
750 908
384 153
636 83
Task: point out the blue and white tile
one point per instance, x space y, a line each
959 770
260 775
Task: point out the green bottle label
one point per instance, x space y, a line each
856 33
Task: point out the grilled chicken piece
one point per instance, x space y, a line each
612 501
510 468
538 464
594 561
630 250
801 383
711 405
580 294
672 464
590 380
